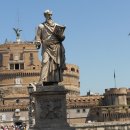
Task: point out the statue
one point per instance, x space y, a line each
17 31
50 36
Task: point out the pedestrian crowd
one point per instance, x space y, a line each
12 127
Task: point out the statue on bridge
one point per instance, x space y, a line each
50 36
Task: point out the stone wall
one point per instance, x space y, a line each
103 126
115 96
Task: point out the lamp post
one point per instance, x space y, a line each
30 91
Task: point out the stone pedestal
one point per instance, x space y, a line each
50 108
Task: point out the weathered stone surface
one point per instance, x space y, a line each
50 108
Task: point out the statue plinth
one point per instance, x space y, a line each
18 40
50 108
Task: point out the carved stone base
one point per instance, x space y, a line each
50 108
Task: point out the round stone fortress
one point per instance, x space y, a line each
20 65
115 96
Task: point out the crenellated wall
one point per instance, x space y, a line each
115 96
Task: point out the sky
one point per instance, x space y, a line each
96 36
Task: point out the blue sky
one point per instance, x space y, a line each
96 35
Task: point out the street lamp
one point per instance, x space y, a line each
30 91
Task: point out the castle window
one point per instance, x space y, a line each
22 66
66 68
78 110
72 69
17 100
1 59
21 56
31 58
11 57
16 66
31 55
84 110
11 66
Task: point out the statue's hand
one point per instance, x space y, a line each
38 45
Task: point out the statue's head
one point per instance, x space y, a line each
47 13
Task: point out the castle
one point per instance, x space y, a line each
19 66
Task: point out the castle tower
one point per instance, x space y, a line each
115 96
71 79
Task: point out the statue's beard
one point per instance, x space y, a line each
50 22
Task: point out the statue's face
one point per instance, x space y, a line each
48 16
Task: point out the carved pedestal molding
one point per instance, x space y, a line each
50 108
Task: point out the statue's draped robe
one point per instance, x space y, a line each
53 54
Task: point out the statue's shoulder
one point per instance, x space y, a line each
41 25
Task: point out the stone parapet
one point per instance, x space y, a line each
115 96
116 91
11 107
83 101
103 126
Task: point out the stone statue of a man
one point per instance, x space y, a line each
53 52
